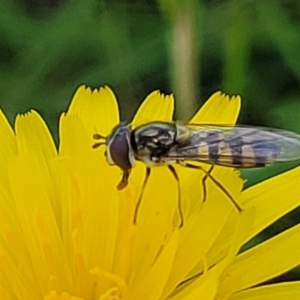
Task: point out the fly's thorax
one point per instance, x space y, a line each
183 135
119 151
153 140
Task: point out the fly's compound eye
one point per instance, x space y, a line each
119 151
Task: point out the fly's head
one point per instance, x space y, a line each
118 150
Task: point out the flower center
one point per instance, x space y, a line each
112 294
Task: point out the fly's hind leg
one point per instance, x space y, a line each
204 179
216 182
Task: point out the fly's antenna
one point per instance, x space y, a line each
97 136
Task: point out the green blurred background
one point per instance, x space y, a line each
192 48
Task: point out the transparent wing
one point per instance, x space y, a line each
238 146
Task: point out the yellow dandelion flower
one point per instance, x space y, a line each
67 233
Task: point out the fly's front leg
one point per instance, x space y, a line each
216 182
148 172
124 181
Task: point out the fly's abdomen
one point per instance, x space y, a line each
242 154
233 151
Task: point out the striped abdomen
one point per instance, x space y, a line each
229 149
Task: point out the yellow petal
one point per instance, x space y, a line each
272 198
218 109
231 237
190 251
35 141
7 150
7 138
205 291
33 136
94 185
155 217
98 109
205 288
39 225
242 229
156 107
152 285
285 290
263 262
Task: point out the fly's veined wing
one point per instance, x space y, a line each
238 146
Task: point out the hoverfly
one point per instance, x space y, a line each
163 143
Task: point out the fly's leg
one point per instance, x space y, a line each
173 171
148 171
124 181
216 182
204 183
